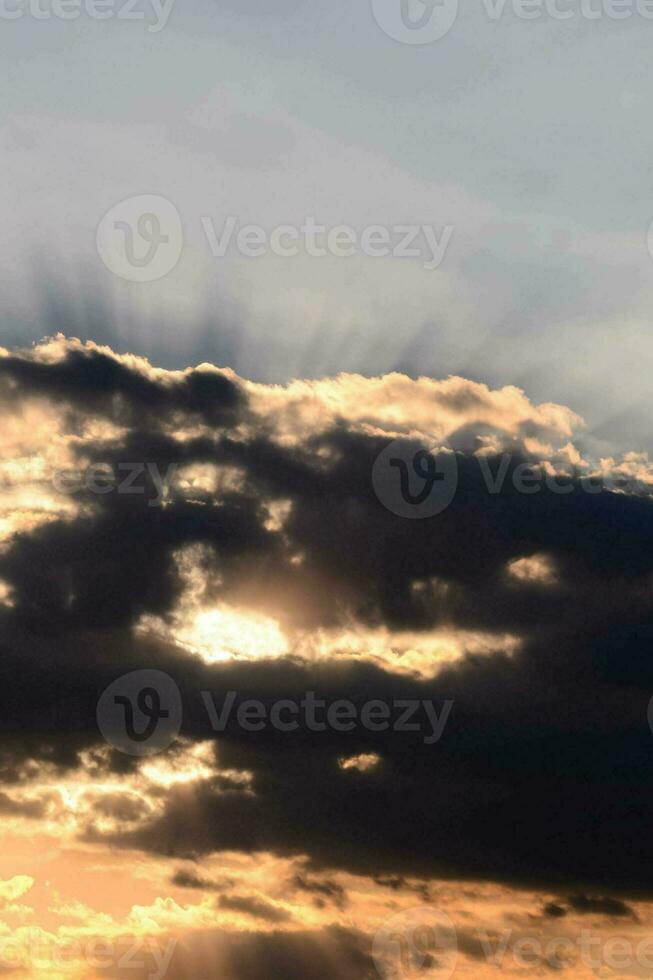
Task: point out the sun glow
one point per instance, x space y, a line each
225 633
212 629
198 762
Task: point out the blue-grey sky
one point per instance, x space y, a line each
528 138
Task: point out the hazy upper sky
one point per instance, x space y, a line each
527 137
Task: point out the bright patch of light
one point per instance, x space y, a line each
417 654
363 762
225 633
537 569
214 630
198 762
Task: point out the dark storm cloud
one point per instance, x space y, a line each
543 772
468 546
554 911
92 381
190 879
105 572
25 808
324 888
255 907
398 883
120 806
589 905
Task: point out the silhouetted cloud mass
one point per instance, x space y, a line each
542 774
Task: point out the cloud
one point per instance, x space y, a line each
189 879
255 907
588 905
554 911
125 389
530 612
326 888
15 887
396 405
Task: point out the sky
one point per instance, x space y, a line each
325 489
527 137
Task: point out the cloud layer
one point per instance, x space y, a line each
267 566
